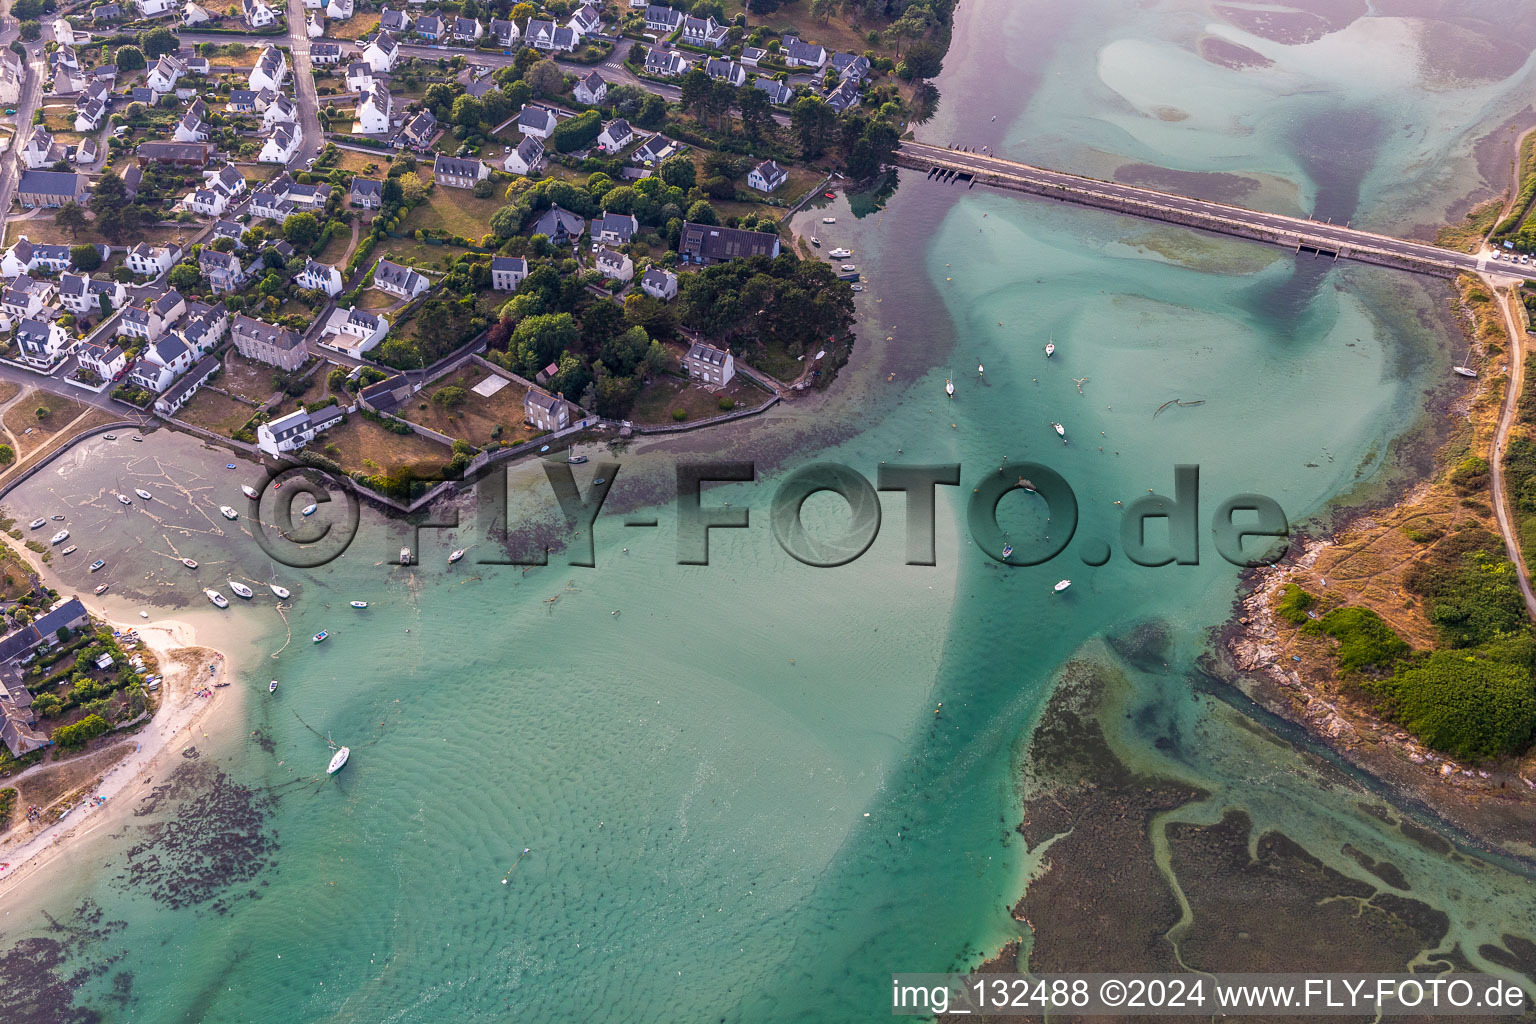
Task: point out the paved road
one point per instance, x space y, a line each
303 87
31 92
1313 231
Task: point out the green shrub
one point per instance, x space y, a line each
1471 475
1365 639
679 415
1293 604
1464 705
727 404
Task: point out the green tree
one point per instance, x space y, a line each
678 171
756 115
7 455
184 277
30 30
813 122
129 58
652 113
301 230
702 213
545 78
924 59
70 216
157 41
1467 706
696 88
84 258
467 111
450 397
538 340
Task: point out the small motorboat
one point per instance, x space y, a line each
829 220
240 588
359 604
856 287
849 268
218 599
110 437
405 556
309 509
138 437
949 387
98 564
57 519
1050 349
123 499
272 686
319 637
458 553
1060 430
102 589
60 537
1007 550
250 492
979 370
840 254
189 563
1063 585
228 512
69 550
830 195
141 492
339 760
543 449
816 241
577 460
600 480
37 523
280 592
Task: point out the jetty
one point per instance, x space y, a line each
1299 234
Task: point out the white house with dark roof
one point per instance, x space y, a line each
800 54
536 121
339 10
326 54
397 22
709 364
507 272
662 20
666 63
160 362
587 20
180 393
27 297
105 361
206 201
614 228
591 90
546 35
457 172
360 75
373 112
80 294
148 319
191 128
727 71
467 30
162 78
654 150
152 261
845 96
418 132
353 331
659 284
616 134
616 266
849 65
401 282
525 157
257 14
281 110
38 150
381 53
270 71
767 176
505 31
319 276
226 179
41 343
778 93
282 145
706 33
26 256
294 431
750 55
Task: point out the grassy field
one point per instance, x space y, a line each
41 228
413 253
336 248
9 389
657 400
478 417
22 417
355 27
455 211
247 378
366 164
218 413
361 445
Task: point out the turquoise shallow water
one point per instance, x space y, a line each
693 774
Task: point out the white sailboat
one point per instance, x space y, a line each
60 537
1050 348
125 499
240 588
949 387
359 604
339 760
218 599
280 592
405 556
250 492
141 492
228 512
1465 369
458 553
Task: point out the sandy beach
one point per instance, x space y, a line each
182 719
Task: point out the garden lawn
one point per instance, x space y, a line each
361 445
218 413
656 401
478 417
455 211
23 416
